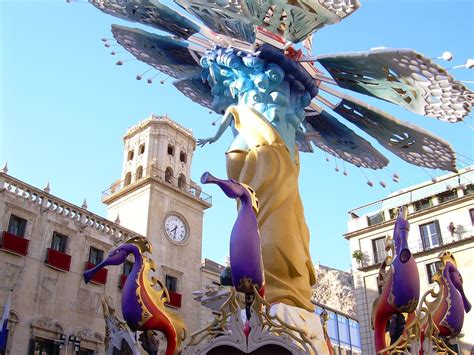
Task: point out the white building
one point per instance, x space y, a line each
47 243
434 209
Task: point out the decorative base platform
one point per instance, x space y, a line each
271 329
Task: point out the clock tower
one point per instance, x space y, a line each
156 198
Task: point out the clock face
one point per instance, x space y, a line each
176 229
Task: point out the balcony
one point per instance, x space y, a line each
191 190
100 277
175 300
14 244
58 260
446 241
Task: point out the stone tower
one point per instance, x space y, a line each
156 198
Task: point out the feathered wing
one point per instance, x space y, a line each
403 77
328 134
400 76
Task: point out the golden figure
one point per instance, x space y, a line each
262 161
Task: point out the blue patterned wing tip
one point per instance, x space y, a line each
333 137
151 13
403 77
410 143
294 21
166 54
196 89
224 17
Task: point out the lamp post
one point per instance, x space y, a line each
76 342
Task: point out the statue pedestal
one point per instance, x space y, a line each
272 329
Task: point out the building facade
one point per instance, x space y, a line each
441 216
47 243
333 294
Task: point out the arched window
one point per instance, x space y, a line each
168 174
181 181
182 157
171 150
130 155
141 149
139 173
128 179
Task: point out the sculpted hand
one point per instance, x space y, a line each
202 142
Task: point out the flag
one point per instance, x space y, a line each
4 323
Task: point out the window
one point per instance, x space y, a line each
83 351
431 269
96 256
471 212
393 212
59 242
17 226
124 349
375 219
447 195
170 150
130 155
181 181
182 157
139 173
422 204
453 347
378 246
430 235
469 189
141 149
41 346
128 179
168 174
171 283
127 268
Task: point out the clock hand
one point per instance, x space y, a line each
174 230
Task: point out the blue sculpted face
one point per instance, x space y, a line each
245 79
116 257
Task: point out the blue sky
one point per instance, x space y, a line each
65 107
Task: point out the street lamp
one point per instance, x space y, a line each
76 341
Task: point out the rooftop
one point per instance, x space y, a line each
156 119
48 202
445 187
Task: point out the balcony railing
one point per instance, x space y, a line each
417 198
68 211
100 277
153 172
14 244
417 247
58 260
175 300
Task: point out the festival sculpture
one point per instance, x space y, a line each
245 62
143 306
266 328
245 249
400 283
442 318
430 321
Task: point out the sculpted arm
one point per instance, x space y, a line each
225 122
